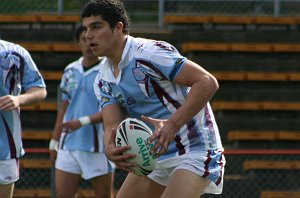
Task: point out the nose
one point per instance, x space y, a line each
88 34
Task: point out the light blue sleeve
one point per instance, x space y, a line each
103 92
166 59
31 76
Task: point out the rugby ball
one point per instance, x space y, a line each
136 133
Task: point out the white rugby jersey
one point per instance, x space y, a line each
144 87
17 72
77 87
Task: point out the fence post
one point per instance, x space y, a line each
161 13
276 8
60 6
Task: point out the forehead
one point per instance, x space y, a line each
88 21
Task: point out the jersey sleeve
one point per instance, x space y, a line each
64 87
31 77
166 59
103 92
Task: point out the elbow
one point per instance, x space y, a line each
43 94
213 84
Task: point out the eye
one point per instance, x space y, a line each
96 26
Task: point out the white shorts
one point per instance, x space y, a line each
86 164
206 165
9 171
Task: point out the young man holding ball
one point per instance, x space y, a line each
152 81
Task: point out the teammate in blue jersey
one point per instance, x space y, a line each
80 130
152 81
21 84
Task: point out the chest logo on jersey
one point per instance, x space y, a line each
130 101
139 74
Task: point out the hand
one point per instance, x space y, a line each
9 102
117 156
164 133
70 126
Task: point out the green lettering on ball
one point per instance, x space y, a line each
144 151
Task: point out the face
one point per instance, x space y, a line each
100 37
85 47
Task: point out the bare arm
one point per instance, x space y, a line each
57 130
203 86
73 125
59 120
31 96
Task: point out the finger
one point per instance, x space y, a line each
148 119
163 149
126 164
155 148
120 151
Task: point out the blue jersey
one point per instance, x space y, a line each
77 87
144 87
18 72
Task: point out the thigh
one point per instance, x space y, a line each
66 184
67 174
103 185
6 190
92 164
185 183
140 186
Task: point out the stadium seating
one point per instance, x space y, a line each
240 47
257 103
225 19
279 194
46 193
273 165
263 135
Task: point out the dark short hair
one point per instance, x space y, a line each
78 32
112 11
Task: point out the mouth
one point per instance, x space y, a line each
93 46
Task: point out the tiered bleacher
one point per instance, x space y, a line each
255 58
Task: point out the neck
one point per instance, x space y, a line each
116 55
88 62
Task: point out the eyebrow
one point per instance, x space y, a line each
96 23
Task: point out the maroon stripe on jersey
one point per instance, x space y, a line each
209 123
192 134
206 173
221 168
179 145
162 94
96 143
147 64
63 141
11 143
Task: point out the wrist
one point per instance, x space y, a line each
53 145
84 120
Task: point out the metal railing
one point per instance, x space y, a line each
155 10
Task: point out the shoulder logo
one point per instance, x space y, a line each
139 74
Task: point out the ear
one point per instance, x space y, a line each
119 27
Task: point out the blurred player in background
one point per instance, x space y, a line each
78 126
21 84
152 81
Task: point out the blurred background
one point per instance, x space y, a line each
251 46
